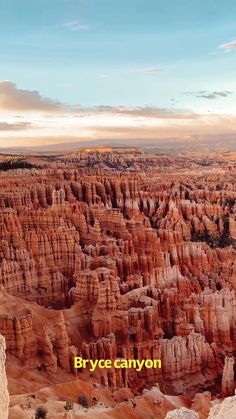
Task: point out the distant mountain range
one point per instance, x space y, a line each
217 143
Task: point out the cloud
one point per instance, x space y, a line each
149 70
118 122
144 111
112 127
210 95
75 26
228 46
103 76
14 99
128 111
5 126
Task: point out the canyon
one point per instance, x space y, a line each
116 253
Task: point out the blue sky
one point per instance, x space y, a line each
163 54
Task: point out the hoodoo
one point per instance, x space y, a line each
119 265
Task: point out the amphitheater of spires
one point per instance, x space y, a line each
106 261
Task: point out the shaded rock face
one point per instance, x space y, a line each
107 264
228 382
4 396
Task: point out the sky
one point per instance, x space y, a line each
94 69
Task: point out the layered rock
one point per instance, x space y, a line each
228 382
19 335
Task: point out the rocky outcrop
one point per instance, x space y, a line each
192 357
19 335
202 404
4 396
182 413
224 409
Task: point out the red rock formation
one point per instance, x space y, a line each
19 335
228 382
202 404
139 266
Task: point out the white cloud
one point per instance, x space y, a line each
76 26
145 70
228 46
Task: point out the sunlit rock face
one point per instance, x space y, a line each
182 413
106 255
225 409
4 396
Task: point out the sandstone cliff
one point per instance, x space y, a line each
4 396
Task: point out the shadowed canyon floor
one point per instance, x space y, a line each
114 253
